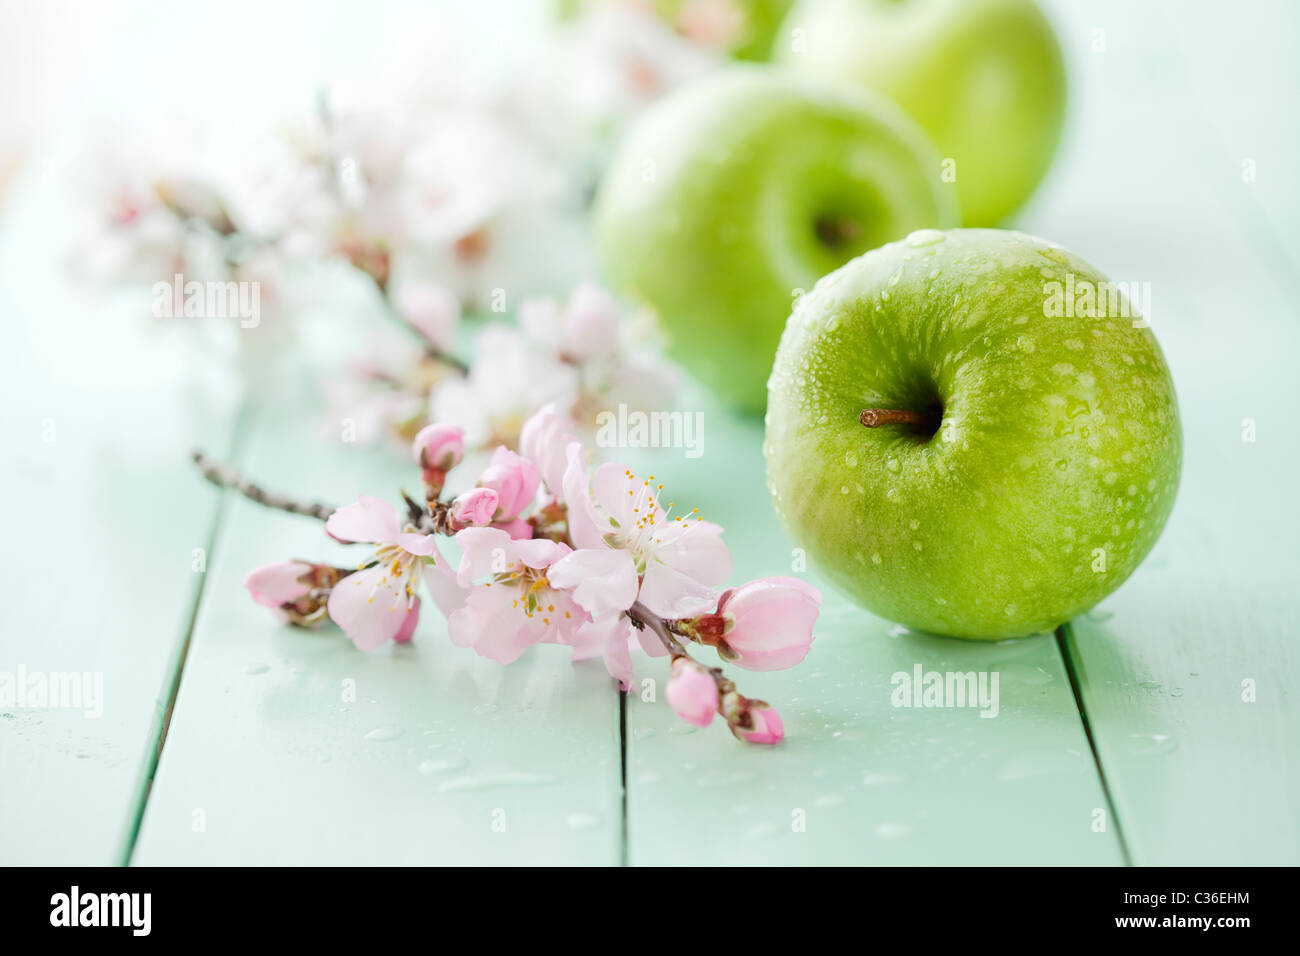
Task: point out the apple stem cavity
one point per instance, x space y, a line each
836 233
875 417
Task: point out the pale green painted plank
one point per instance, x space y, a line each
869 782
101 520
1199 775
439 745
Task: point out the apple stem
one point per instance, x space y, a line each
875 417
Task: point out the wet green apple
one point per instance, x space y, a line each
736 193
984 78
972 433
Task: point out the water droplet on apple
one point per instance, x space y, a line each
850 459
924 237
892 464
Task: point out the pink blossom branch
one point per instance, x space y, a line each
748 719
642 617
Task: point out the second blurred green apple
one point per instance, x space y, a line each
741 190
984 78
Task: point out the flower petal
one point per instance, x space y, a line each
491 625
367 608
407 630
443 586
603 580
369 519
583 527
421 544
274 584
485 551
539 552
674 595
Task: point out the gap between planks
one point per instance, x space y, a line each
170 689
1063 645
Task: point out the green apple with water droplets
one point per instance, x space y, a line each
960 449
739 191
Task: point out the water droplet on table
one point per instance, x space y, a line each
444 765
892 830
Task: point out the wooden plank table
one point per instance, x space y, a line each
1161 728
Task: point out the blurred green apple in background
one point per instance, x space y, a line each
972 433
737 192
984 78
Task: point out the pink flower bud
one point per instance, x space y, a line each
765 625
439 446
295 590
765 727
473 509
430 309
515 481
274 584
692 693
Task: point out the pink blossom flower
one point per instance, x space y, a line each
378 603
584 328
765 625
514 479
765 727
430 309
692 692
516 606
676 561
474 508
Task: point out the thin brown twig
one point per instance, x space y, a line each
223 476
